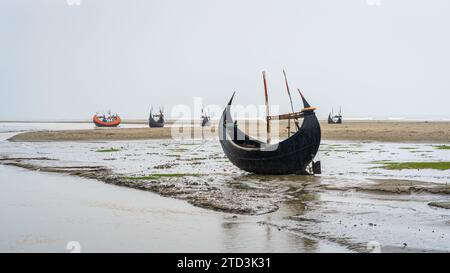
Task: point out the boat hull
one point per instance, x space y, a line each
291 156
205 122
99 123
152 123
332 121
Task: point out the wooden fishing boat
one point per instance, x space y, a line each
156 123
106 121
290 156
335 119
206 119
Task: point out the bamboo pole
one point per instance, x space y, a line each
288 91
290 99
266 95
292 106
295 115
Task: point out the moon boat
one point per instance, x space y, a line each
205 121
330 119
335 119
290 156
152 123
102 121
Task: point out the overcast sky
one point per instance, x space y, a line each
60 61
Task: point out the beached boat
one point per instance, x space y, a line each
290 156
156 123
205 119
335 119
106 120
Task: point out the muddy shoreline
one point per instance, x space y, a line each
164 186
353 201
161 186
430 132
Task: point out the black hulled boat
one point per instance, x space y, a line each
290 156
206 119
335 119
156 123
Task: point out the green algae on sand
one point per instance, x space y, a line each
111 150
161 175
408 148
416 165
443 147
443 205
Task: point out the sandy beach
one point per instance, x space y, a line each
356 199
383 131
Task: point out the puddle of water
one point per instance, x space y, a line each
354 219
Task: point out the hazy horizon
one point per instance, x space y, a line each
66 62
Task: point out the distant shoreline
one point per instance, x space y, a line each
69 121
387 131
171 121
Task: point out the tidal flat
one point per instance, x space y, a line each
354 201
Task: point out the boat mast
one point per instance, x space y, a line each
292 106
267 107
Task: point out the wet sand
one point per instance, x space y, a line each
350 204
397 186
354 201
384 131
45 212
433 132
308 213
94 134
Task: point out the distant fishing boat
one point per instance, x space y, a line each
335 119
106 120
152 123
205 119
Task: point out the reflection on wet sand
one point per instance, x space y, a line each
353 202
46 211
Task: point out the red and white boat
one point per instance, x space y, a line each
106 120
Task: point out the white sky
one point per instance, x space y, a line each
68 62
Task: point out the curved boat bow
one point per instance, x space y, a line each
290 156
152 123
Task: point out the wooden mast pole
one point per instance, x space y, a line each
267 107
292 106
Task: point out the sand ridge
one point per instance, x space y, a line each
385 131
